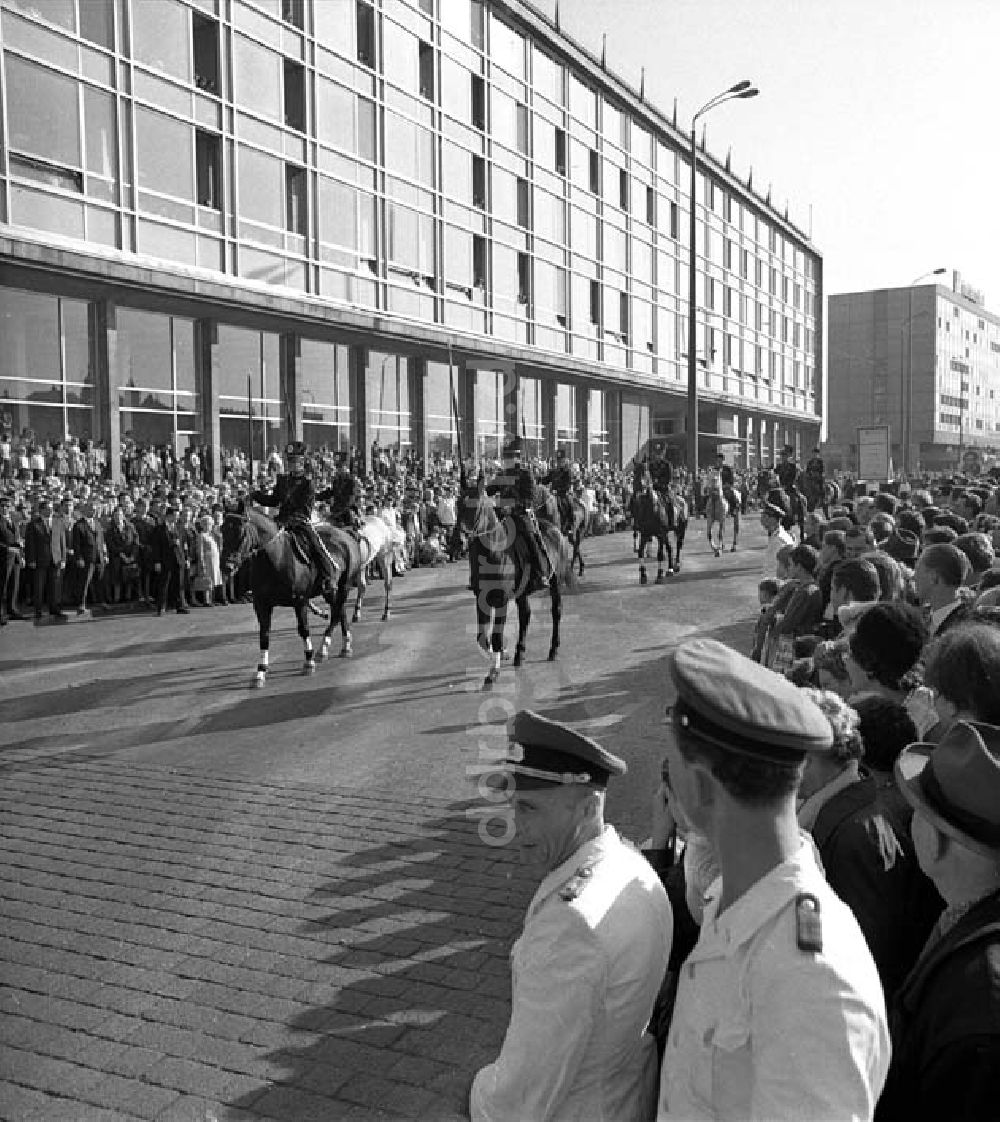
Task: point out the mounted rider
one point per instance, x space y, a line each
727 481
514 489
661 474
294 495
816 481
787 471
560 479
347 496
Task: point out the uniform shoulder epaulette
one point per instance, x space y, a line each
578 881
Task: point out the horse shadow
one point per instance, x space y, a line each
412 994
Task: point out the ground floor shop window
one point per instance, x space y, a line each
46 372
387 397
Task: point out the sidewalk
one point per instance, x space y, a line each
180 945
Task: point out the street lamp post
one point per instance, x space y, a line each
906 381
742 89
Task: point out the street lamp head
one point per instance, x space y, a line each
740 86
938 272
752 92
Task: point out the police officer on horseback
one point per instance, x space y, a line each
514 487
345 496
294 495
660 471
816 481
560 479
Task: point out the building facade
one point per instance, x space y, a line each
924 361
340 217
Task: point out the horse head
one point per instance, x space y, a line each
236 535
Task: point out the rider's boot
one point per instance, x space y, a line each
327 573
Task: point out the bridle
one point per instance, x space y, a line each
249 541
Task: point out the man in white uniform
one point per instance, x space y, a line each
779 1012
590 961
777 536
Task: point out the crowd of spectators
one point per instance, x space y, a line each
70 542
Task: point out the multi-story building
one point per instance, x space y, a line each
924 361
333 211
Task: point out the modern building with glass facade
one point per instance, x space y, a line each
925 361
335 210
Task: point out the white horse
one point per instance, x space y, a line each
379 542
717 509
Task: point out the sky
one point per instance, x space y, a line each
879 115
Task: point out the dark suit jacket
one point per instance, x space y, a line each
87 542
863 837
945 1025
169 547
44 546
9 541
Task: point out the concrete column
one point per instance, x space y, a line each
206 337
613 420
583 424
417 372
465 390
107 419
511 399
549 435
359 403
290 378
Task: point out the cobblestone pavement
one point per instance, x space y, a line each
182 946
221 904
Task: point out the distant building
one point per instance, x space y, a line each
340 209
923 360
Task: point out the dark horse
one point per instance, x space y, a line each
570 517
281 577
502 569
658 514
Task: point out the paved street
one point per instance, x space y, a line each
223 903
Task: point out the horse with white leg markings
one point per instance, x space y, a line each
719 506
502 570
282 575
656 515
378 541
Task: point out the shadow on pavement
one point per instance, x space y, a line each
414 995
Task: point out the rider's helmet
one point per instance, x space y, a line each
295 456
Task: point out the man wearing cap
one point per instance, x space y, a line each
595 945
771 518
815 481
295 496
779 1011
560 479
946 1017
515 489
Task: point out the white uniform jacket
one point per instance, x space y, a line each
586 971
775 542
765 1030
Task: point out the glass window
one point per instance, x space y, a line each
161 37
334 24
489 412
43 115
324 395
387 394
257 77
143 351
261 184
99 125
566 418
455 89
164 154
400 56
442 436
457 258
60 12
547 76
506 48
409 149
